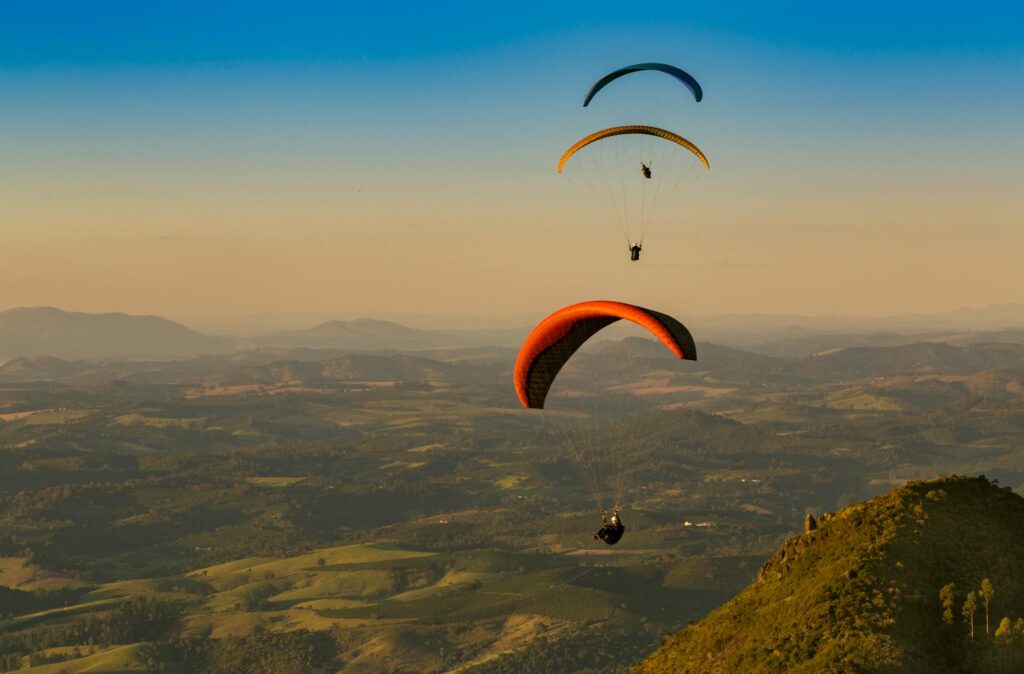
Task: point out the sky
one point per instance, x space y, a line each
216 160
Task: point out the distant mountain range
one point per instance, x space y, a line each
46 331
755 326
794 335
730 364
606 363
993 318
370 334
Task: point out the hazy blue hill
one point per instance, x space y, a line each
730 364
915 359
40 368
362 327
373 335
861 592
390 367
36 331
807 344
981 370
803 356
795 336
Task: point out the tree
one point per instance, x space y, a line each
987 593
970 606
1004 632
947 595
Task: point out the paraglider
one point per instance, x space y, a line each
610 531
594 451
602 169
598 164
632 129
637 205
555 339
685 78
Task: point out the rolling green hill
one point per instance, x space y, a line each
861 592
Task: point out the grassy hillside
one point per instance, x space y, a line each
862 591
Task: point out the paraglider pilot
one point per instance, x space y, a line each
612 530
634 251
645 170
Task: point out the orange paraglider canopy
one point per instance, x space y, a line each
555 339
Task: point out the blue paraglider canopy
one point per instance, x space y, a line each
684 77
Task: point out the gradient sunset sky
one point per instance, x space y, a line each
236 158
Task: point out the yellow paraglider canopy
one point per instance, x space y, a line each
632 129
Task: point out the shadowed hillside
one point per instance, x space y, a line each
861 591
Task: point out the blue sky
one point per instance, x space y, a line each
133 121
107 33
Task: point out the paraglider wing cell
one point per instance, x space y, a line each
555 339
632 129
684 77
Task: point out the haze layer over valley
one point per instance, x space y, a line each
47 331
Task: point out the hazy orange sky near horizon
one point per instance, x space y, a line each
218 189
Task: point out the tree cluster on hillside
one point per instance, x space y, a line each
261 652
17 602
138 619
1000 648
605 649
